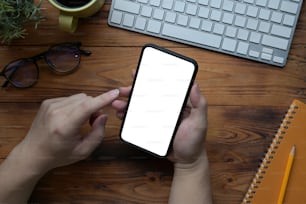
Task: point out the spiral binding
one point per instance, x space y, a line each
266 161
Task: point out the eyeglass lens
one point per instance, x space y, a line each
63 58
21 73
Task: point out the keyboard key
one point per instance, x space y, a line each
170 17
155 2
228 18
143 1
252 11
267 50
158 14
146 11
127 6
128 20
262 3
116 17
252 24
255 37
288 20
273 4
276 42
203 2
229 44
215 3
179 6
215 15
182 20
167 4
277 59
195 23
228 5
242 48
140 23
183 33
191 9
203 12
218 28
154 26
281 31
242 34
289 7
231 31
240 21
264 27
276 17
266 56
254 53
264 14
240 8
207 25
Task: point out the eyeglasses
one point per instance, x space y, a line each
62 58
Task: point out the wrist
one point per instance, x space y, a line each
18 174
198 165
191 182
22 157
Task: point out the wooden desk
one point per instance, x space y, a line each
247 101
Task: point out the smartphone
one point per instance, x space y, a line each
160 90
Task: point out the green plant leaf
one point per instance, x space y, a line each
14 14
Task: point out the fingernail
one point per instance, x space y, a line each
114 92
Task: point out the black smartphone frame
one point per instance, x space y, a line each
191 82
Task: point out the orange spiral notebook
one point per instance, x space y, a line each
265 187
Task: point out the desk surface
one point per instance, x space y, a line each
246 99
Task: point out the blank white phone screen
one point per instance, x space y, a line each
158 96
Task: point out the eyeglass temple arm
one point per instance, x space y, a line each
39 56
85 52
6 82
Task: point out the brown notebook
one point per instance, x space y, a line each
265 187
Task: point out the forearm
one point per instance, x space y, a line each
191 183
18 177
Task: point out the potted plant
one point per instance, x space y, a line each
14 15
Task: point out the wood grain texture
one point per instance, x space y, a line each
246 99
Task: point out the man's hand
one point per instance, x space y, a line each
54 139
191 180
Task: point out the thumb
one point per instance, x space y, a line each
198 112
94 137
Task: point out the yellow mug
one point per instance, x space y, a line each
72 10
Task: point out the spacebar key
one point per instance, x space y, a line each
187 34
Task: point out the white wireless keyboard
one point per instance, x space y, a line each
260 30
